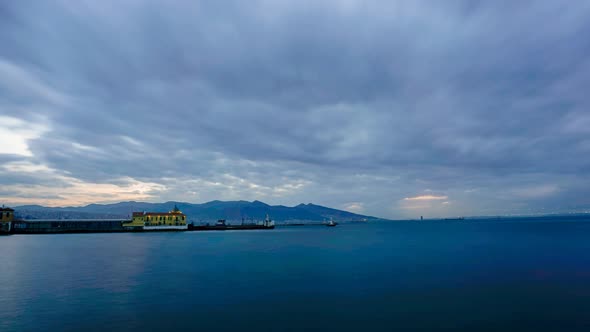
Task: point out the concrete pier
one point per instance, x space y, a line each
67 226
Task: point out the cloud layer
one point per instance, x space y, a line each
352 104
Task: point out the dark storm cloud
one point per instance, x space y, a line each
344 103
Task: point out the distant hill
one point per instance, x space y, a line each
206 212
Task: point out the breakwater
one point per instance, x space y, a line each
172 221
67 226
111 226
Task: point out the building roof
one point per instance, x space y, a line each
163 214
6 209
175 212
139 214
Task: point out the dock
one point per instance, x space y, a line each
227 227
112 226
172 221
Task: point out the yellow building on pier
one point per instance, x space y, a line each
158 219
6 219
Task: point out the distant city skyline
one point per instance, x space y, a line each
396 109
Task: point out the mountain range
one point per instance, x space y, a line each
206 212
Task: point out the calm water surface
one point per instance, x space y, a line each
531 274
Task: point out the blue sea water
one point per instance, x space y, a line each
484 275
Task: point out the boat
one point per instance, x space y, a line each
331 223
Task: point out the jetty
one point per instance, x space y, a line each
172 221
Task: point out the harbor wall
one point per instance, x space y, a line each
165 228
110 226
69 226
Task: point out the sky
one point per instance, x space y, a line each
395 109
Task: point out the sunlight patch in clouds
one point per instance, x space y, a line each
57 188
355 207
425 198
15 133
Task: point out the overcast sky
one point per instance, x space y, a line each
388 108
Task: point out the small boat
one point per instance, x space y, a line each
331 223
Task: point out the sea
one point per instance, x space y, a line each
504 274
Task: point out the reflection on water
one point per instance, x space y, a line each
445 275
